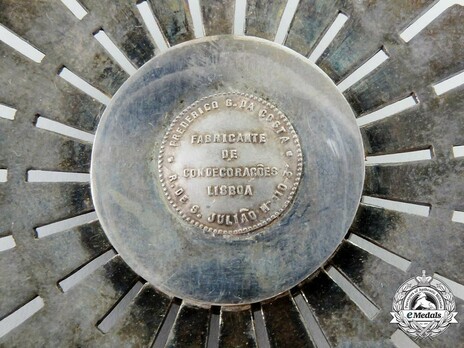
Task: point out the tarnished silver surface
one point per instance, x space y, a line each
141 123
34 266
230 163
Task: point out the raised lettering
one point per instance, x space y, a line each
220 163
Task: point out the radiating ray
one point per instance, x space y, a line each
197 18
313 327
84 86
142 319
20 45
456 288
402 157
401 340
236 328
119 310
152 25
7 243
19 316
3 175
428 17
240 17
387 111
383 254
52 176
402 207
115 52
364 70
76 8
449 84
328 37
60 128
260 328
64 225
75 278
213 332
163 334
7 112
283 312
196 319
286 21
366 305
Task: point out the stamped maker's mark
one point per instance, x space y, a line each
230 163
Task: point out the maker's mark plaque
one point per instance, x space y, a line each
230 163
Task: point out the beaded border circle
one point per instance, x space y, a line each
291 194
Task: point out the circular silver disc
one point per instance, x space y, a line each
230 163
227 170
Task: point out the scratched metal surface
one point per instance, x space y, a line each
236 328
202 266
35 266
282 313
174 18
218 16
